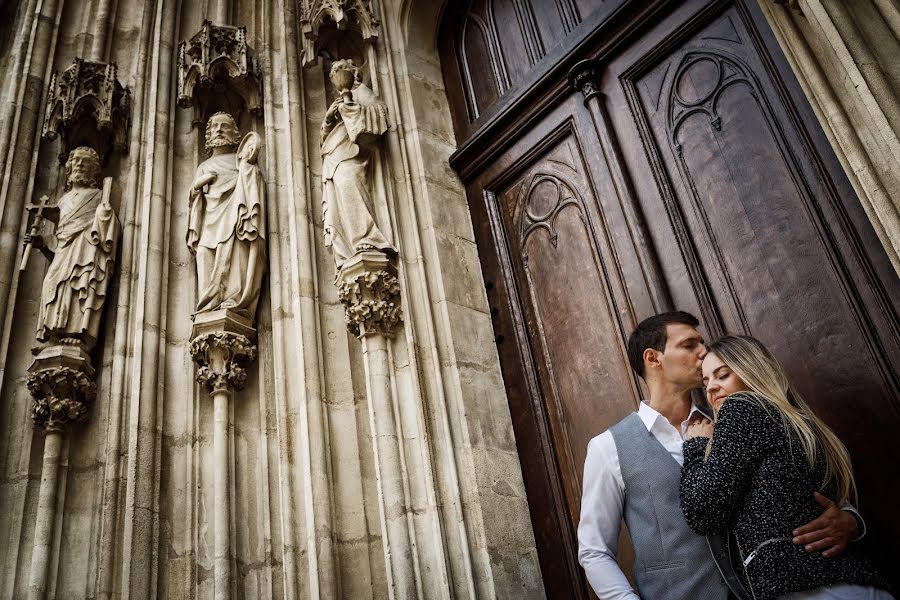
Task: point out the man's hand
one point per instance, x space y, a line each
830 533
699 428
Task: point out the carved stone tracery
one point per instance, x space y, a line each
218 72
86 105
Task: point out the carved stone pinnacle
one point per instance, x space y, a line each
355 14
370 292
218 72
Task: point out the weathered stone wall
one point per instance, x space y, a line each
846 55
135 507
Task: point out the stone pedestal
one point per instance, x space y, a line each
223 346
370 292
369 289
61 382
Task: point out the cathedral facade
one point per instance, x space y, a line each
324 298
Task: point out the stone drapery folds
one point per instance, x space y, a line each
74 288
353 124
226 229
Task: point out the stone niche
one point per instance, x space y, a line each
217 72
87 106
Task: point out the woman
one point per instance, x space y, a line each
756 476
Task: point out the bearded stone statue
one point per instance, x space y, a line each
226 226
353 124
81 265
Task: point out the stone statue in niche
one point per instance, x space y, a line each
81 265
353 124
226 226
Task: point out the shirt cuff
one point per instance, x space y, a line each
859 521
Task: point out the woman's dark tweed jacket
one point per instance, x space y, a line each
757 484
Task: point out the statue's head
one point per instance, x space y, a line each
344 74
83 168
221 130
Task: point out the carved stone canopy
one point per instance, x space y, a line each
218 72
355 14
370 292
87 106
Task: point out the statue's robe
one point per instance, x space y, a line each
226 232
348 210
75 285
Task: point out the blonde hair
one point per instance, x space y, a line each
761 372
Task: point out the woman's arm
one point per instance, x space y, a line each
712 489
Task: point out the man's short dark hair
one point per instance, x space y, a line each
651 333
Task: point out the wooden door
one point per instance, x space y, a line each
694 176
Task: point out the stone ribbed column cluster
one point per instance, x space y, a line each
222 347
88 109
219 78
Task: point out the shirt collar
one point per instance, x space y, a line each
650 415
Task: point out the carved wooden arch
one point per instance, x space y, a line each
566 195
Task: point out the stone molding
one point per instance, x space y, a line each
86 105
344 13
370 292
215 60
845 73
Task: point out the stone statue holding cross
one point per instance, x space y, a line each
81 264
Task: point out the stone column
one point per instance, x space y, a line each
222 346
844 55
61 383
369 289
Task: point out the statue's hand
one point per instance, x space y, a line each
35 241
203 180
332 110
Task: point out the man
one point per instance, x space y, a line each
226 227
76 282
633 470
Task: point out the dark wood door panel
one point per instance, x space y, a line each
764 233
561 277
573 322
699 180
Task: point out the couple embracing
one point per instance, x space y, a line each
748 498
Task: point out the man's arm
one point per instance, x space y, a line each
832 530
602 502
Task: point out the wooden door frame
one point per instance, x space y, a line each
499 129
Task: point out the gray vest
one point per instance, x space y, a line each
671 561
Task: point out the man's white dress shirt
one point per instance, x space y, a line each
603 504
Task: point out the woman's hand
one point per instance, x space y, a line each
699 428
